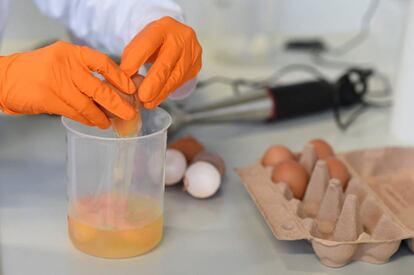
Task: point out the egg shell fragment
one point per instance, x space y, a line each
127 128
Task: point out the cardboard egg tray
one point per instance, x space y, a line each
366 222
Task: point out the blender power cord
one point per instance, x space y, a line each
361 35
324 55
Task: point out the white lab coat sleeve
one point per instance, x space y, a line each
108 25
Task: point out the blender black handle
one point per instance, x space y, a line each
305 98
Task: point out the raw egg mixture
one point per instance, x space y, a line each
114 225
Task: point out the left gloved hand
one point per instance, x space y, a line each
175 53
58 79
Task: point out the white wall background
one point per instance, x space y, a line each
297 16
26 22
333 20
287 16
278 17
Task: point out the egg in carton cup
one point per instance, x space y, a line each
365 222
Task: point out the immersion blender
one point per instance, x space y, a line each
275 103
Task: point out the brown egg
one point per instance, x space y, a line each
189 146
276 154
338 170
294 174
322 148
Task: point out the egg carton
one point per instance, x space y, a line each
365 222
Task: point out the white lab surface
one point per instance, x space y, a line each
403 111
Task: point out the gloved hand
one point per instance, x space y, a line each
173 50
58 79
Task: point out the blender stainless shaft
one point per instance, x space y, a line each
253 106
258 109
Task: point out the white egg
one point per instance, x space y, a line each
175 165
202 180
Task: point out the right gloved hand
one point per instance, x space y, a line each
58 79
174 52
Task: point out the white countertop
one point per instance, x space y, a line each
222 235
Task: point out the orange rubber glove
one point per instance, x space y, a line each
173 50
58 79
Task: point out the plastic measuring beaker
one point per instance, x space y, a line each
115 187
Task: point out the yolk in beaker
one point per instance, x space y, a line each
114 226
